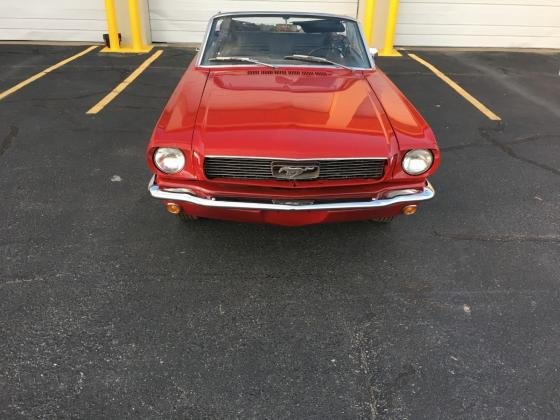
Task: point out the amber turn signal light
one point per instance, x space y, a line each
173 208
409 210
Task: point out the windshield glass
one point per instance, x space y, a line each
284 40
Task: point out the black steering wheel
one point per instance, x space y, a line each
340 48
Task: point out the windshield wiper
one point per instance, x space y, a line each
315 59
242 59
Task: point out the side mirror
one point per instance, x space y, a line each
373 51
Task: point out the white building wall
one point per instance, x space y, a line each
186 20
52 20
453 23
479 23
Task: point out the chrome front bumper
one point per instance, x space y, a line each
426 194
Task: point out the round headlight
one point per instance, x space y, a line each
417 161
169 160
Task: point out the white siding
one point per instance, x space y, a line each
52 20
479 23
186 20
454 23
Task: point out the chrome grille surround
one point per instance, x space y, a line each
222 167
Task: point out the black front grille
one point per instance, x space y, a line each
256 168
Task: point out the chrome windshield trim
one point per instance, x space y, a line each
272 13
303 14
426 194
366 46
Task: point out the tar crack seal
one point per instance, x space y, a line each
7 142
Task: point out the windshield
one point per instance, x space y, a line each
285 40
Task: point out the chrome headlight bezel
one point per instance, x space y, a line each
417 161
169 160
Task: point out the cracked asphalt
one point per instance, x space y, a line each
111 308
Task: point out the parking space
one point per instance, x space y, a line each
109 307
20 62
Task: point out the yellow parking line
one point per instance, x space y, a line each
123 85
44 72
475 102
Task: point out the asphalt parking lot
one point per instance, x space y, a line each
112 308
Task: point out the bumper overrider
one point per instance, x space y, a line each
183 197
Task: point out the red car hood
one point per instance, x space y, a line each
291 114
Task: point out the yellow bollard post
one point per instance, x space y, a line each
388 49
368 20
133 42
112 27
136 34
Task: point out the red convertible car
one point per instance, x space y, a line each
283 118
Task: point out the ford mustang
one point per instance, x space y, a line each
284 118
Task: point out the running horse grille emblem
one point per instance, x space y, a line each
295 171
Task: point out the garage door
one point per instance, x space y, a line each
52 20
186 20
479 23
